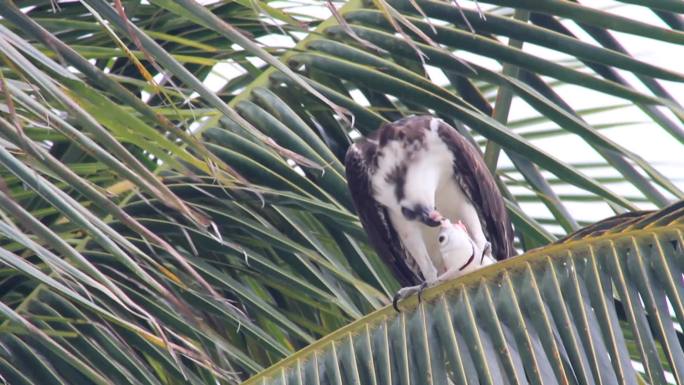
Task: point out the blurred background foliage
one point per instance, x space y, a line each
172 201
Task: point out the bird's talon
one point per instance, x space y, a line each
403 293
395 301
486 250
420 291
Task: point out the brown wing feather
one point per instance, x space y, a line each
478 184
374 217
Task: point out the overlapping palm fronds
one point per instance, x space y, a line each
550 316
160 225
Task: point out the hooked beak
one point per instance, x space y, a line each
431 218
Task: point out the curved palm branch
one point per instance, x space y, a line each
603 306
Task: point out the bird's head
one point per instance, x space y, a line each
418 198
421 212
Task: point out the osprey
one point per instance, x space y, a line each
409 175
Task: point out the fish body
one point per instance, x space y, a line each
460 254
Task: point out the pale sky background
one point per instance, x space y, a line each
645 138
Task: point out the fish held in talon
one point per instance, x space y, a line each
455 245
460 254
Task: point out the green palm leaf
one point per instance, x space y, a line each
549 316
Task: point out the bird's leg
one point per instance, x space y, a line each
429 271
451 273
422 287
486 251
413 240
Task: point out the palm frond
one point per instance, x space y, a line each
604 307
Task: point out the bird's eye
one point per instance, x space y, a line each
408 213
442 239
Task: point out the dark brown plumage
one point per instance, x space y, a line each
481 189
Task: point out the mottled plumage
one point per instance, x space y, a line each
401 173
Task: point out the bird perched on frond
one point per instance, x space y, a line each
409 175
